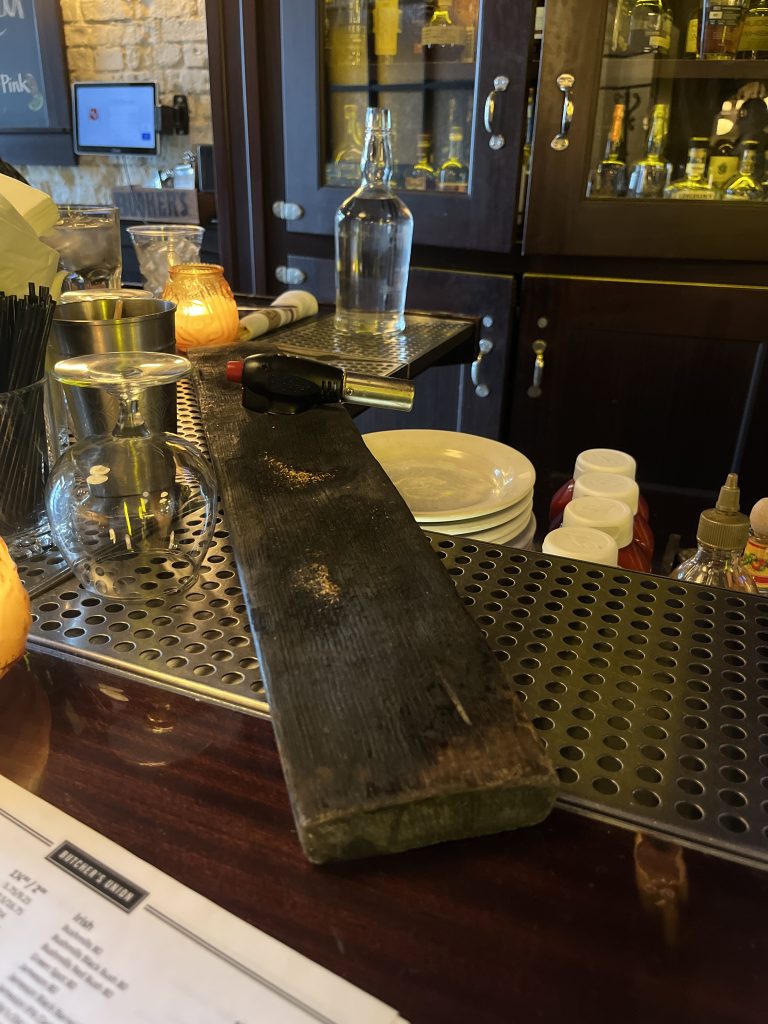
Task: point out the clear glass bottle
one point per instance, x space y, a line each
754 36
650 176
745 185
617 29
646 27
421 176
373 232
721 536
609 180
694 185
720 28
453 173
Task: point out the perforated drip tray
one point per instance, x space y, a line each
651 696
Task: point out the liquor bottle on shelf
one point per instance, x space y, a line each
617 34
453 173
609 180
441 39
650 176
373 232
421 176
346 161
723 164
754 36
348 44
466 14
648 27
720 28
694 184
386 26
746 184
691 49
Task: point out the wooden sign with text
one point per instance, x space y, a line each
159 205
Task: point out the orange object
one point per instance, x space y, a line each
14 612
206 311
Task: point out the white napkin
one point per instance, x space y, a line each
23 257
285 309
36 207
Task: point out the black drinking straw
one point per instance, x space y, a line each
25 324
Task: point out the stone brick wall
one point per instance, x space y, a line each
161 41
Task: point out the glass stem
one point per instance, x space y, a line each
130 422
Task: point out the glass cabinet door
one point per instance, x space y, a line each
418 60
669 103
683 102
456 95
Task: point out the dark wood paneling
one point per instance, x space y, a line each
233 46
662 371
573 918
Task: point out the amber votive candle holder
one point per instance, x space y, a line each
206 311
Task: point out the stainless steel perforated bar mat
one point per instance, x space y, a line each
651 696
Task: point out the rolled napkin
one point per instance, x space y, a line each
15 617
23 257
286 308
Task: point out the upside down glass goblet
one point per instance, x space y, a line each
132 512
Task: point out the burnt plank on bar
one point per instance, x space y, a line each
397 727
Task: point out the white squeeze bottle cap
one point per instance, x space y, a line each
605 460
582 543
610 515
608 485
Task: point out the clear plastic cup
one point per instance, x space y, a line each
159 246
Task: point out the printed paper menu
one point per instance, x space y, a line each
90 934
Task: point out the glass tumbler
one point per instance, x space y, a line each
161 246
27 452
132 511
87 239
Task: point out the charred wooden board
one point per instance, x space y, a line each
396 725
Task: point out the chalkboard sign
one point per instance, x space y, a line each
35 123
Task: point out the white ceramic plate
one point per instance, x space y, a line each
514 538
446 476
506 520
503 535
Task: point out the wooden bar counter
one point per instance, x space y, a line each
573 920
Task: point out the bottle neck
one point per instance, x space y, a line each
717 556
454 148
376 161
616 134
657 134
748 162
697 163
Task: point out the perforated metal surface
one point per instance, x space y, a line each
200 644
383 356
651 696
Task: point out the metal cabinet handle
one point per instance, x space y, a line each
539 347
565 83
481 390
290 275
500 84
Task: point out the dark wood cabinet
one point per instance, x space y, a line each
666 371
703 98
466 397
487 90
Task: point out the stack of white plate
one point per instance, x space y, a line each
460 484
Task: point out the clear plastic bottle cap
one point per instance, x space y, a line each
582 543
610 515
605 460
608 485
